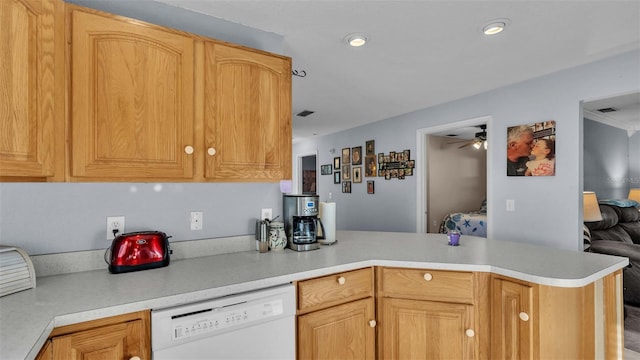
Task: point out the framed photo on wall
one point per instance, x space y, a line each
325 169
346 187
346 172
370 147
531 149
346 156
370 187
356 155
336 163
336 177
357 174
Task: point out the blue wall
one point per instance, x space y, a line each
606 160
548 210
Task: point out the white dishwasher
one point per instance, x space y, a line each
254 325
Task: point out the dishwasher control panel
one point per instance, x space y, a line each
214 319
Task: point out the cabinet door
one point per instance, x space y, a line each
32 89
512 316
342 332
116 342
415 329
131 99
247 114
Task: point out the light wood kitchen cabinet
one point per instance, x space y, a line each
120 337
336 316
533 321
247 114
132 109
432 314
513 319
32 146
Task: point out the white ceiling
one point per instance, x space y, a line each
423 53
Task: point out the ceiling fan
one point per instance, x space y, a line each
479 140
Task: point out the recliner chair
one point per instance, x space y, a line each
618 233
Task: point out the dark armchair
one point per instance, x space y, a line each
618 233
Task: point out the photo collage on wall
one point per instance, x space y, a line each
531 149
348 168
396 165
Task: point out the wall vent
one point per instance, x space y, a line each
607 110
305 113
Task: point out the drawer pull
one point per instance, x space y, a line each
188 149
428 277
372 323
211 151
524 316
470 333
342 280
134 358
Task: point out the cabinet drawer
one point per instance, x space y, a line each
335 289
436 285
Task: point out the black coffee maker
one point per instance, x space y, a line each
301 221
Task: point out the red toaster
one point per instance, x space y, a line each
139 251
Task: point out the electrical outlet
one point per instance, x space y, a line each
196 220
114 223
266 214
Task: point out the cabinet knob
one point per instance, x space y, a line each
135 358
342 280
428 277
372 323
188 149
470 333
211 151
524 316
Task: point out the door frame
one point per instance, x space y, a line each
422 175
297 173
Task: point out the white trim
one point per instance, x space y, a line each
421 164
604 119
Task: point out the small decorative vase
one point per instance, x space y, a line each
277 237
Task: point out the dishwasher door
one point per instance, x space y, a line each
255 325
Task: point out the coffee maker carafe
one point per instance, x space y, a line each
301 221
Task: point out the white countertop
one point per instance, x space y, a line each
27 317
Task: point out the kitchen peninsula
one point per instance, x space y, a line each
27 318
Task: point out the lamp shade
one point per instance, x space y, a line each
634 194
590 207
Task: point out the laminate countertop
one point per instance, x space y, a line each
27 317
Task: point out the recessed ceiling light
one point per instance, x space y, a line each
356 40
495 26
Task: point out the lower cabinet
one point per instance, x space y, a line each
344 331
432 314
336 316
123 337
513 319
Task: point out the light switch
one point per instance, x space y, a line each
511 205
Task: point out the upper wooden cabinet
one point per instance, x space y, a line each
131 98
32 90
247 112
150 103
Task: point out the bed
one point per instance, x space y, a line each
467 223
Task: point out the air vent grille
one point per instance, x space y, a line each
607 110
305 113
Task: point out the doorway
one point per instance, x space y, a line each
308 175
465 169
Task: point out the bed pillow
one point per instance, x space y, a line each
483 207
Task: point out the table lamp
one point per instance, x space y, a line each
590 207
634 194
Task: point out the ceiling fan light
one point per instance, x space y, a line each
486 144
477 145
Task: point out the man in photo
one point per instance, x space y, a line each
519 144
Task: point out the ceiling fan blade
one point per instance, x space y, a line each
467 144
